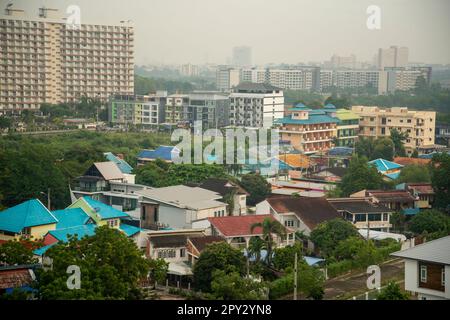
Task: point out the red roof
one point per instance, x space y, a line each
421 188
405 161
235 226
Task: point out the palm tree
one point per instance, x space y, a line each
256 244
269 228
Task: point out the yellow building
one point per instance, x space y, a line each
378 122
30 219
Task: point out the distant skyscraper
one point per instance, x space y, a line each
393 57
226 78
242 56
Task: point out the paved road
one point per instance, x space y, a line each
354 284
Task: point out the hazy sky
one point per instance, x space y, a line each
290 31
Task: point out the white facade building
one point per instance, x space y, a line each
227 78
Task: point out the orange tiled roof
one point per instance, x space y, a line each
296 160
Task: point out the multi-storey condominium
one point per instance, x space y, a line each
45 60
307 130
253 75
227 78
211 108
144 110
347 127
326 80
189 70
392 57
175 108
255 105
361 78
377 122
406 78
341 62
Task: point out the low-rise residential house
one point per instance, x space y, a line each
333 174
231 193
236 230
397 200
302 188
423 192
17 277
390 170
165 153
298 213
179 206
363 213
427 269
123 166
29 219
98 177
195 246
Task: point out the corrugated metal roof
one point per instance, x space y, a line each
124 167
383 165
103 210
109 170
70 217
27 214
80 231
437 251
162 152
313 119
129 230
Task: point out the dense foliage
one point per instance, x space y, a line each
440 174
392 292
430 221
257 186
110 263
232 286
15 252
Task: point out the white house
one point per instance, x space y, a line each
427 269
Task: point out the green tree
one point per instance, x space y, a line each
158 270
440 173
111 267
5 122
383 148
270 228
257 186
360 176
327 234
430 221
392 292
285 257
414 174
255 245
17 252
232 286
415 154
217 256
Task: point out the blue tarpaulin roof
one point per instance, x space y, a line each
122 164
340 151
27 214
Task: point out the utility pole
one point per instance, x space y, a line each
368 228
295 277
48 199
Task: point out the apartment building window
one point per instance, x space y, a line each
289 223
423 273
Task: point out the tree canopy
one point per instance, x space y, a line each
392 292
257 186
232 286
440 173
360 176
111 267
414 174
430 221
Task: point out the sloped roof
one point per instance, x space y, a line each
311 211
27 214
184 196
103 210
16 277
391 195
421 188
82 231
433 251
383 165
337 171
358 206
70 217
162 152
405 161
168 241
200 243
221 186
340 151
235 226
109 170
345 114
129 230
313 119
124 167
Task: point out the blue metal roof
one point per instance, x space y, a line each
162 152
70 217
383 165
330 106
81 232
392 176
312 260
104 211
340 151
410 211
42 250
27 214
129 230
313 119
122 164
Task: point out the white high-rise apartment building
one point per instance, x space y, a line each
227 78
253 75
189 70
392 57
45 60
361 78
406 78
255 105
242 56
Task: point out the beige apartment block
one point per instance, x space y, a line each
377 122
45 60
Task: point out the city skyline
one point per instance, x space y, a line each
207 34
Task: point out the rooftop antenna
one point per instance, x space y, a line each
9 10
